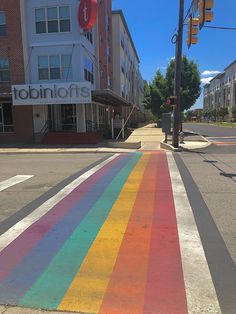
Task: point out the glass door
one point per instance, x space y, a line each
1 119
51 118
68 117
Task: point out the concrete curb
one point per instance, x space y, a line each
182 148
169 146
128 145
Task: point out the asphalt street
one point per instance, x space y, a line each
51 172
210 130
42 229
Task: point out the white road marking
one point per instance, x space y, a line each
200 290
16 230
14 180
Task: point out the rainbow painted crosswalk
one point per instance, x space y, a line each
109 246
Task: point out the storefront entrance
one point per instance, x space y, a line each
62 117
68 117
6 123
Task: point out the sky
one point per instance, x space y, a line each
152 24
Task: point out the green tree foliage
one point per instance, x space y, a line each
162 87
222 112
154 95
188 115
233 111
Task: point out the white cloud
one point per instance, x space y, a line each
206 80
207 73
170 58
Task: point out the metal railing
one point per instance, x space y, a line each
91 126
38 136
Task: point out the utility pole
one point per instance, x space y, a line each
177 85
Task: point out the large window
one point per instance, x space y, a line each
4 69
52 20
6 121
88 70
55 67
3 30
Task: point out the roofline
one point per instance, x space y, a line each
230 65
217 76
120 12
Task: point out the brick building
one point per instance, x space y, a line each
56 78
15 123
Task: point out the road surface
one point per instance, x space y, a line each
119 236
217 134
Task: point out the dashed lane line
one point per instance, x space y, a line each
12 233
13 181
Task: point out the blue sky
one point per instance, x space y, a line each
153 22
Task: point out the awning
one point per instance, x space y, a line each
5 96
108 97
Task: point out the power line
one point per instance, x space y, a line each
221 27
189 10
175 35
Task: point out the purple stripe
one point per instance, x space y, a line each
16 250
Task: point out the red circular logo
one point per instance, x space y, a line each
87 15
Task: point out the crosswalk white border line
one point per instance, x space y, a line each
16 230
200 290
13 181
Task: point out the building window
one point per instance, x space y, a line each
89 35
122 42
88 70
4 69
66 66
52 20
6 121
3 30
55 67
102 113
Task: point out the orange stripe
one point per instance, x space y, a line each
126 289
224 143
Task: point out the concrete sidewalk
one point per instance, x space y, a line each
146 138
152 138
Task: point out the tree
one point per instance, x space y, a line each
188 115
233 111
222 112
154 95
162 87
190 82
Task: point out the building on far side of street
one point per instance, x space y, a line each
57 79
221 90
127 79
16 123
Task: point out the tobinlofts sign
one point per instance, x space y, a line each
87 14
44 94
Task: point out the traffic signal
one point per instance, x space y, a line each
171 101
192 31
205 11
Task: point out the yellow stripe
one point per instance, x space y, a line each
87 290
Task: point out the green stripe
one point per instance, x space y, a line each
50 288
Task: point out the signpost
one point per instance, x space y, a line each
54 93
87 14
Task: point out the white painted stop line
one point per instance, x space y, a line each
14 180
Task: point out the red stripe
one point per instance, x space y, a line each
165 290
126 289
